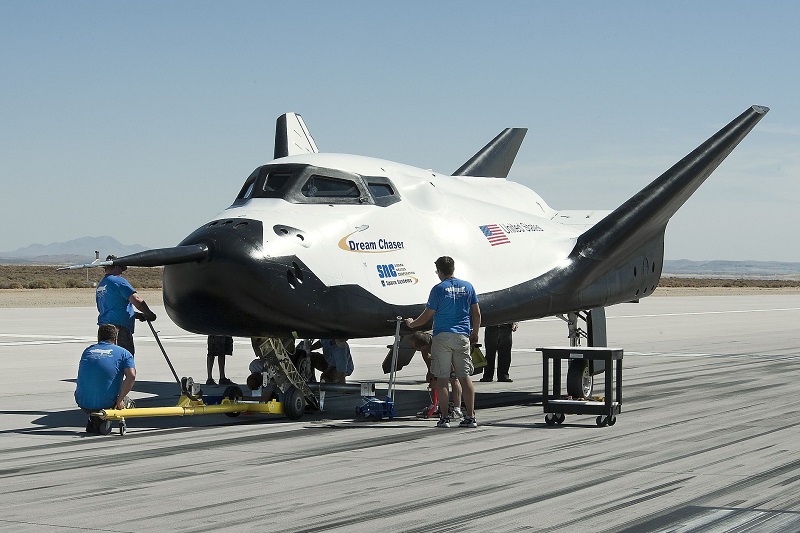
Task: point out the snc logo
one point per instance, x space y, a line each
386 271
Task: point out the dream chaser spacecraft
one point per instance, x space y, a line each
319 245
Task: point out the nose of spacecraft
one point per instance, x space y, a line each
220 295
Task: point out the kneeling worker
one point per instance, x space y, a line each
106 374
340 361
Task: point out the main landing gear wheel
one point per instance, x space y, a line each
233 393
294 403
579 379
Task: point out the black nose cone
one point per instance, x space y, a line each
211 297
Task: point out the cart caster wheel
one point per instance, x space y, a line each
233 393
123 428
560 418
612 420
600 421
549 419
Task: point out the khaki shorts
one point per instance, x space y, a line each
450 351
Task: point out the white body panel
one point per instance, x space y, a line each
390 251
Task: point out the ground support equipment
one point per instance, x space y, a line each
292 396
231 406
366 389
374 408
555 407
279 369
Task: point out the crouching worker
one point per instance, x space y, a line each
422 341
106 374
340 361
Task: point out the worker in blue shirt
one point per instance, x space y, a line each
116 299
106 374
453 306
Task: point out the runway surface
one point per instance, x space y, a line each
707 440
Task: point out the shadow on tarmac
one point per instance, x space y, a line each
166 393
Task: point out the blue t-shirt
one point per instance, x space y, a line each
113 305
100 375
451 301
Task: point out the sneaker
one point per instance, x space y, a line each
455 412
468 422
224 381
210 381
428 412
444 422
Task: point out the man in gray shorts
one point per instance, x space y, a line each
453 305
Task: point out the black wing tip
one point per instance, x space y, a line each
761 109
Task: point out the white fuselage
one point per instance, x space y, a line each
499 233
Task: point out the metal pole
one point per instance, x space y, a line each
395 350
177 379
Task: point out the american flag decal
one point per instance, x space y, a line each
495 234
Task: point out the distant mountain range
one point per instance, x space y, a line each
80 250
731 269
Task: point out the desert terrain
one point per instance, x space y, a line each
84 297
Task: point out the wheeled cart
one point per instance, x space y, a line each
555 407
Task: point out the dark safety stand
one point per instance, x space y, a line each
555 407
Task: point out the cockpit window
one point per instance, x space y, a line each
308 184
276 181
380 190
247 189
249 192
325 187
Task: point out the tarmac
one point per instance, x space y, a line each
707 439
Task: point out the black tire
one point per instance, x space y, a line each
579 379
560 418
599 421
612 420
123 428
549 419
233 392
294 403
104 427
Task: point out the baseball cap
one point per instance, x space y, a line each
112 257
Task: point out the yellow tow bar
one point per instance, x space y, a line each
189 407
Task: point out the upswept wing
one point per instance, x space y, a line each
646 214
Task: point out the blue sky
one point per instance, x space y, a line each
141 120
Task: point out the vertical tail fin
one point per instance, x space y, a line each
495 159
292 136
